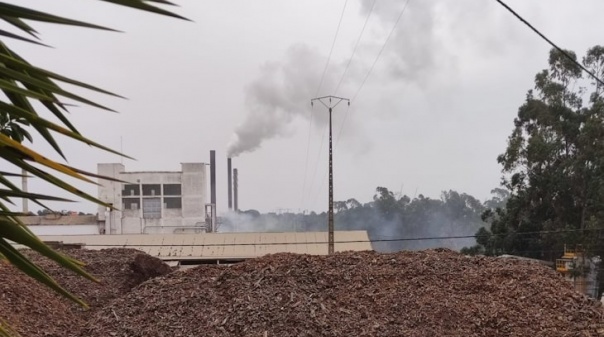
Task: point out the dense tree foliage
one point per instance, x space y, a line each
553 166
388 218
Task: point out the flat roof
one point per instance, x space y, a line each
58 219
215 246
145 172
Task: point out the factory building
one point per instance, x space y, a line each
153 202
153 209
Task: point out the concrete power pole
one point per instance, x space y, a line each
329 105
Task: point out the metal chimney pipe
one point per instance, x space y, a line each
230 183
235 190
213 177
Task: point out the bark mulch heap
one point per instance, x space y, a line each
428 293
34 310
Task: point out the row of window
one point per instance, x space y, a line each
134 203
151 206
131 190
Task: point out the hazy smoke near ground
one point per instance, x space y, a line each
392 223
245 222
436 225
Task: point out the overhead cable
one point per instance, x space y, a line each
355 48
566 54
373 66
331 50
316 94
427 238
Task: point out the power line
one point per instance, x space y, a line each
355 47
331 50
382 49
306 161
366 76
373 66
316 94
369 73
317 161
427 238
567 55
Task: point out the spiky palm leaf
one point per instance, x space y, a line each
23 83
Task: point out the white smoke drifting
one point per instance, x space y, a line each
423 50
246 222
281 93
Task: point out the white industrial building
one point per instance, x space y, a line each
153 202
153 209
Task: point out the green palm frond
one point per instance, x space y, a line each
23 84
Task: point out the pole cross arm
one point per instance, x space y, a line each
330 99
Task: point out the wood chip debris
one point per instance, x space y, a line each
427 293
35 310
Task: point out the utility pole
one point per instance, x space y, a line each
330 105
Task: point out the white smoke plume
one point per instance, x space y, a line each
246 222
433 35
281 93
424 49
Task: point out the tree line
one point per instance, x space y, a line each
390 219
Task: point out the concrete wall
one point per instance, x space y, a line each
193 183
65 229
194 186
109 191
58 219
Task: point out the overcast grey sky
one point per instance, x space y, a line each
433 115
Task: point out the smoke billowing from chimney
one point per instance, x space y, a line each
422 51
281 93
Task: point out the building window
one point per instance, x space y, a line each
172 189
152 189
151 208
131 190
131 203
173 202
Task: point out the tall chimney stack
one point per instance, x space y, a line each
230 183
235 190
213 177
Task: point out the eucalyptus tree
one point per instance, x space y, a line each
553 165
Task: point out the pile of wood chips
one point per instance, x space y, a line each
427 293
34 310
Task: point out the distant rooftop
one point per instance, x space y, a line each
221 246
140 172
57 219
